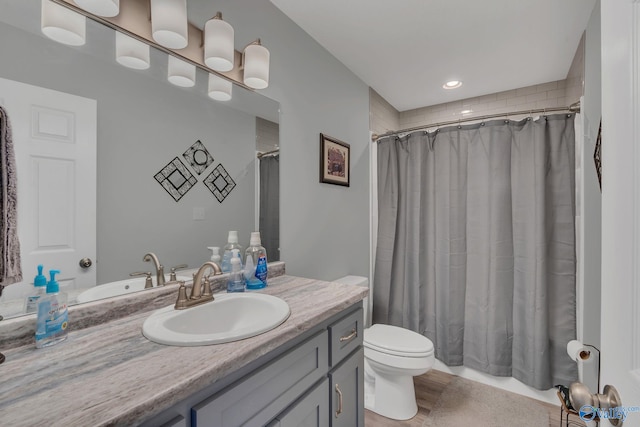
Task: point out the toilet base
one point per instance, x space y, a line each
391 397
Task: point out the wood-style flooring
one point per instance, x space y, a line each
428 389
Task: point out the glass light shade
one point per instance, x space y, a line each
181 73
219 88
106 8
62 24
218 45
132 53
256 66
169 26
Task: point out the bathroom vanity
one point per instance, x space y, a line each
307 371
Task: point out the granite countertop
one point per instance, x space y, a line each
110 374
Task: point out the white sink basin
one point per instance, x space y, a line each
230 317
119 287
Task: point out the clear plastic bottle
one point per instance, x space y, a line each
52 324
232 243
255 271
236 278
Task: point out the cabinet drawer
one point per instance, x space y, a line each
345 335
263 394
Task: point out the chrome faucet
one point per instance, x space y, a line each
159 267
198 294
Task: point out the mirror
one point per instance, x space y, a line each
143 124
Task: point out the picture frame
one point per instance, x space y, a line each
335 161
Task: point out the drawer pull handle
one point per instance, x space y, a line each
352 335
339 411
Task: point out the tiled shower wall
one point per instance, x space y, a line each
561 93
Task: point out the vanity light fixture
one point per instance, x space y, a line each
62 25
256 65
218 44
169 26
219 88
181 73
452 84
132 53
108 8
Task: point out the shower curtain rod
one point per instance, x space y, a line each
573 108
268 153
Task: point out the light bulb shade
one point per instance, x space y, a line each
256 66
62 24
169 26
218 45
181 73
219 88
132 53
107 8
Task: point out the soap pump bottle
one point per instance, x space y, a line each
232 243
40 289
215 253
52 324
255 271
236 278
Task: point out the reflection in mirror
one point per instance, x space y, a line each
138 124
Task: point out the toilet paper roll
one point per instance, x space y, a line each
578 351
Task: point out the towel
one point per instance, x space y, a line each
10 267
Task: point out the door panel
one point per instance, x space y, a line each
54 138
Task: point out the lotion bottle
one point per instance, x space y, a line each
40 289
52 324
236 278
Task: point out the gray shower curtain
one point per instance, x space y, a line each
476 245
270 206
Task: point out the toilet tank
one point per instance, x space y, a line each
359 281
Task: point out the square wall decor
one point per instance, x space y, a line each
198 157
219 183
176 179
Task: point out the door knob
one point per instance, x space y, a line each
85 262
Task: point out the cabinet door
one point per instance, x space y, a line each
311 410
347 392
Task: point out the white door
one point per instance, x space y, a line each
54 138
620 323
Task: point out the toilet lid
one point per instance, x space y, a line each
397 341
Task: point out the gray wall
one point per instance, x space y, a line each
143 123
324 229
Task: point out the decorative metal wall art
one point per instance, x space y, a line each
176 179
219 183
198 157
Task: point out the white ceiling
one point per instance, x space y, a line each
406 49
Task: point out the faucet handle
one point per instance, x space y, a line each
181 302
172 276
147 282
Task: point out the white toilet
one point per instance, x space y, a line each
392 357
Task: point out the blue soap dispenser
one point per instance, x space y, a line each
52 324
40 289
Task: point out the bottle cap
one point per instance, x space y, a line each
53 286
215 250
255 238
233 237
40 280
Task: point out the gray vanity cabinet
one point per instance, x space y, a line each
316 380
347 391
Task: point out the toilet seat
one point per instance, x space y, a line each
396 341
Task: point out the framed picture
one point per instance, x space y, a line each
335 161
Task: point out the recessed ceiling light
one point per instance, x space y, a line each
452 84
